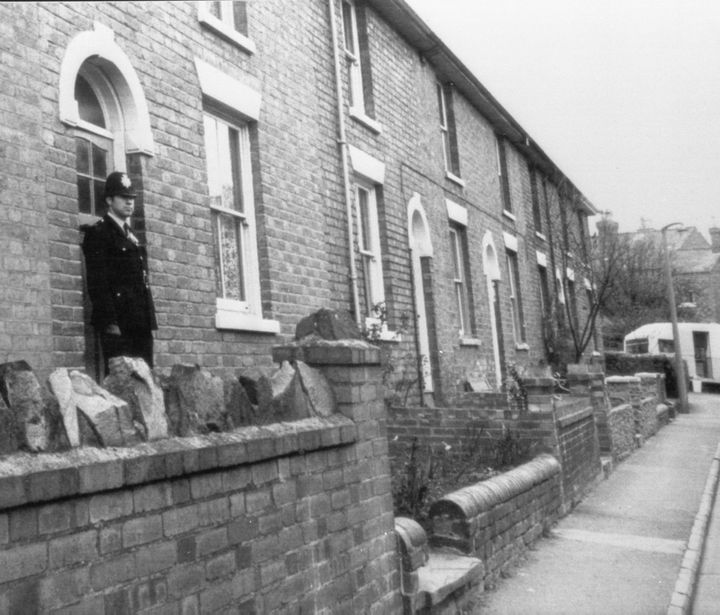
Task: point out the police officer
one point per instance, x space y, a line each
116 267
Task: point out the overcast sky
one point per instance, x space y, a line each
624 96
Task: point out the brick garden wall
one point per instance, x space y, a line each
579 453
497 520
568 432
291 517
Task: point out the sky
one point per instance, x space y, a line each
623 95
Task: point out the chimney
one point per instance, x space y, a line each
607 226
715 238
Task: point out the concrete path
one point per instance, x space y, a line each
619 552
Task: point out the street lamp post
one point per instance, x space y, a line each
679 365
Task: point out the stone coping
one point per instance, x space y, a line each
473 500
315 351
575 416
621 408
27 478
622 380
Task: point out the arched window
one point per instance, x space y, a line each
102 99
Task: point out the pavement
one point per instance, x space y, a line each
645 541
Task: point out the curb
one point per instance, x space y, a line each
682 598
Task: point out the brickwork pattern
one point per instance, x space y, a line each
274 519
579 454
497 519
298 189
620 432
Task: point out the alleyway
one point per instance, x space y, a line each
619 551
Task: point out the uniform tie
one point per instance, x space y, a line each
126 228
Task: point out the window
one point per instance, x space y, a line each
536 189
229 19
369 245
358 62
564 224
503 173
458 249
637 346
231 201
515 299
581 218
447 130
572 301
544 290
665 346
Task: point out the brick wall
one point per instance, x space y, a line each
264 519
579 453
620 434
26 321
497 520
298 188
496 437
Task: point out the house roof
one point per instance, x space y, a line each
695 261
405 21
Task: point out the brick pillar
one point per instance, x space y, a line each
649 382
579 383
539 391
353 369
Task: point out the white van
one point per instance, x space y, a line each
699 343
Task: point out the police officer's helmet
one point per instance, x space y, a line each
119 184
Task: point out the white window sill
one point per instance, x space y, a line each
390 336
239 321
540 236
368 122
219 27
470 341
455 179
522 346
509 215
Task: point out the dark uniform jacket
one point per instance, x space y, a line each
116 273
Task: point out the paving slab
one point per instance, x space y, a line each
621 549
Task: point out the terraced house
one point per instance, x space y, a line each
289 156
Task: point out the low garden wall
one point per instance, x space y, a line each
620 432
497 519
281 518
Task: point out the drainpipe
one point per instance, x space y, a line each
343 146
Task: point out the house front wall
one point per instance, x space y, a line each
284 90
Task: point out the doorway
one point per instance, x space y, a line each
421 252
702 361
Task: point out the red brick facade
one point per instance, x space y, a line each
301 225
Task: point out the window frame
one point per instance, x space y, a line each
516 310
225 25
461 279
503 178
369 248
448 132
244 313
535 179
545 298
361 105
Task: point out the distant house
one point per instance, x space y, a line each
695 265
285 162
